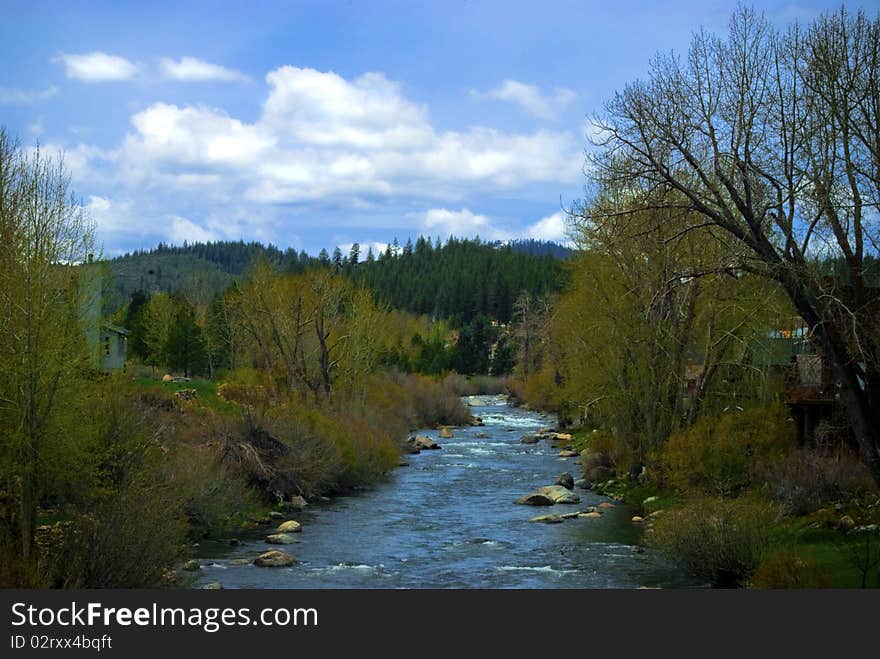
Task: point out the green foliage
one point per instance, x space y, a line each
200 271
474 385
48 308
607 456
474 343
185 349
125 519
717 455
460 280
721 541
788 568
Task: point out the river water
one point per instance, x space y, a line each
447 520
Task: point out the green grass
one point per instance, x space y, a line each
206 392
816 537
836 552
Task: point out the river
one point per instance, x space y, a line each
447 520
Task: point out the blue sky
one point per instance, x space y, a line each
316 124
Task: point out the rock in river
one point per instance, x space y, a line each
568 453
422 442
445 433
529 439
535 499
274 558
548 519
281 539
559 494
290 526
566 480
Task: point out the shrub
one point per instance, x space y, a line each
310 449
786 568
210 490
475 385
129 542
606 456
721 541
253 395
717 455
541 392
808 479
418 400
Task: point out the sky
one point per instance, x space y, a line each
319 124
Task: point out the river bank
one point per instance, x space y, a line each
448 520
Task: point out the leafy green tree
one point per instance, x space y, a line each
48 303
185 349
157 319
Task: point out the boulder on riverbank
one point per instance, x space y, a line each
566 480
192 565
553 436
535 499
290 526
274 558
568 453
559 494
295 503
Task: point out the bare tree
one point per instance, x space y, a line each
775 139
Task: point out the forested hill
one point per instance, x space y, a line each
459 280
541 248
198 270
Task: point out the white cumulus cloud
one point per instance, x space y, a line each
181 229
461 223
97 67
322 108
552 227
191 69
321 139
529 98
